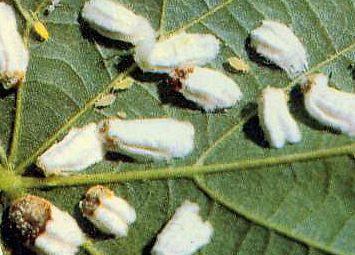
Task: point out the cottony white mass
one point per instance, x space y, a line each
275 118
117 22
80 148
208 88
14 55
178 50
185 233
277 43
331 107
109 213
157 139
44 228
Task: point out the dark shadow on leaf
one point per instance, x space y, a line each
252 128
6 92
141 76
33 171
124 62
115 156
300 113
351 68
248 109
147 249
93 36
168 95
257 58
254 132
88 228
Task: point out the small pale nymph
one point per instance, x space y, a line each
277 43
238 64
275 118
44 228
117 22
331 107
14 55
109 213
185 233
105 100
80 148
208 88
156 139
123 85
178 50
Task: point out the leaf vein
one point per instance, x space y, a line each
280 228
65 62
70 122
321 25
200 18
162 17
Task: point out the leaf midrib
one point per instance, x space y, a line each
186 171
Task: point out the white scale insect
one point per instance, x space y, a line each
109 213
185 233
44 228
157 139
80 148
275 118
117 22
178 50
14 55
208 88
142 139
276 42
329 106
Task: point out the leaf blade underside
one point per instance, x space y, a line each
310 202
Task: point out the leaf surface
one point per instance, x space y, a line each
298 208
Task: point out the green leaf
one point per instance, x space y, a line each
296 200
7 104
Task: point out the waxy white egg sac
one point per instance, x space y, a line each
79 149
277 43
44 228
115 21
185 233
208 88
275 118
156 139
109 213
331 107
14 55
178 50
